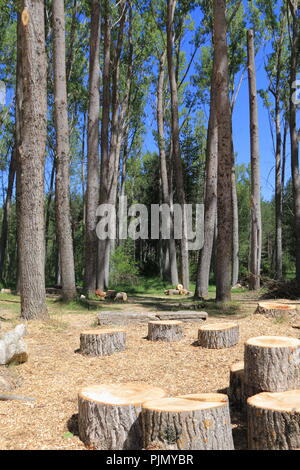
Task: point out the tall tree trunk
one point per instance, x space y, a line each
62 193
235 228
6 211
176 154
256 230
210 202
93 162
104 245
293 4
31 154
225 157
278 193
169 247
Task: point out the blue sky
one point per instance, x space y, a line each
241 133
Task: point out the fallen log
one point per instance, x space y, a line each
13 348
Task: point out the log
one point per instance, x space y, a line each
272 364
172 292
102 342
218 336
236 386
277 310
109 416
13 348
274 421
170 330
188 422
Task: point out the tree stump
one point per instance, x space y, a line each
277 310
272 364
274 421
236 386
171 330
102 342
13 348
109 416
189 422
218 336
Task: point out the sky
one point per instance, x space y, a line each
240 123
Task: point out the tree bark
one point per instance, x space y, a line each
165 331
274 421
31 152
176 145
102 342
62 187
93 162
225 157
271 365
109 416
219 336
256 230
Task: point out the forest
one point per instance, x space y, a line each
102 100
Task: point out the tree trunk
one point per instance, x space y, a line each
293 4
102 342
225 157
62 187
256 231
235 229
31 154
188 422
109 416
171 247
93 162
165 331
176 145
219 336
210 203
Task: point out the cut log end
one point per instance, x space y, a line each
109 415
104 342
121 394
288 402
274 421
218 336
187 403
273 342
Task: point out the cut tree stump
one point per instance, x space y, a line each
272 364
236 386
274 421
277 310
102 342
109 416
170 330
188 422
218 336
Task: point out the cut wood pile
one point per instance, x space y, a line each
281 290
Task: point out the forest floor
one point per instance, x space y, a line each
55 371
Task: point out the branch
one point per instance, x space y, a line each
234 13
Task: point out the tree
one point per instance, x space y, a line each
93 165
62 193
225 157
30 160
